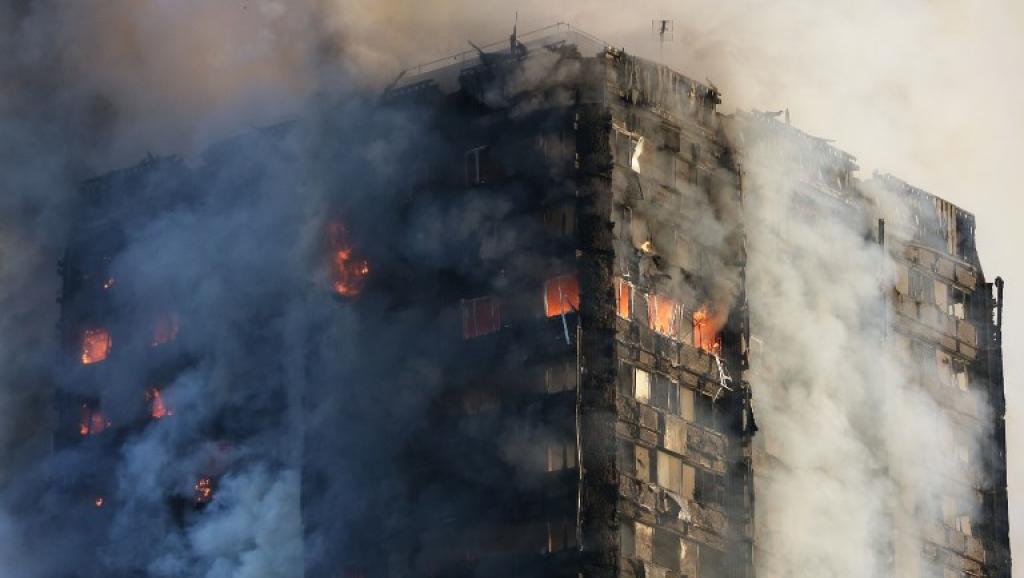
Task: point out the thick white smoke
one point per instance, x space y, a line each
853 457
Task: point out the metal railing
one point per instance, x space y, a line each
471 54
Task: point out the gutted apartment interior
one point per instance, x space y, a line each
585 336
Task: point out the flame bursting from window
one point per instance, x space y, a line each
349 271
561 295
165 330
157 407
663 314
203 490
95 345
92 421
705 331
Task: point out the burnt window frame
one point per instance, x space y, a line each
469 315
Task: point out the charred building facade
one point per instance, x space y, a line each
578 396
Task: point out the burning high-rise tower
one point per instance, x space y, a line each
581 324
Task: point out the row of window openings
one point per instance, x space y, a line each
92 420
924 289
666 316
954 516
482 167
633 147
482 315
97 343
670 472
557 378
937 364
666 394
666 549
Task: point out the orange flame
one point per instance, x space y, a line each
93 422
166 329
663 313
204 490
95 345
157 408
349 272
705 331
561 295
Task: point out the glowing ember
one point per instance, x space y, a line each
204 490
157 408
166 329
109 283
92 422
95 345
98 501
349 272
705 331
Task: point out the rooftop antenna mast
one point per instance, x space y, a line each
517 48
665 29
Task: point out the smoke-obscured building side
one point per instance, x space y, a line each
574 395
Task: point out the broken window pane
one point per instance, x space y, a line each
705 335
706 413
624 298
960 374
686 403
710 488
561 455
95 345
480 316
957 306
665 394
689 481
92 420
561 295
921 286
561 534
710 562
675 434
642 385
637 152
664 315
560 377
670 472
666 549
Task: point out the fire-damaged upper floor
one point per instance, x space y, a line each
552 323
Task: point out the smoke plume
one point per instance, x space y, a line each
90 86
